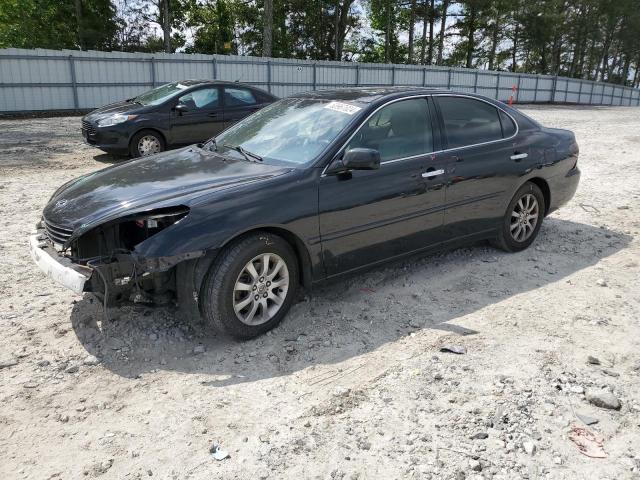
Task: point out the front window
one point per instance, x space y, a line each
160 94
290 131
401 129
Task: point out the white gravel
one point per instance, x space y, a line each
352 384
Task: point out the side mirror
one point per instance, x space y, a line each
181 108
361 159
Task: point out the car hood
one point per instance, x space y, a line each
164 180
113 108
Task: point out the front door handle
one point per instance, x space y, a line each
213 115
519 156
432 173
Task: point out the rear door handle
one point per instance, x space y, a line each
213 115
432 173
519 156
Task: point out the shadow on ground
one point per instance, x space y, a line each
348 318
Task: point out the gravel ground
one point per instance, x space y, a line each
353 384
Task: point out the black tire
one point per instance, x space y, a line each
217 292
135 141
505 240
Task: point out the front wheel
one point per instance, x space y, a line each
146 142
522 220
250 286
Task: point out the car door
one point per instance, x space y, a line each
370 216
238 103
485 163
197 116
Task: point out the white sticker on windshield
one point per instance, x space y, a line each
342 107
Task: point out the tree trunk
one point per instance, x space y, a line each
471 45
336 27
387 32
425 19
166 26
494 45
514 50
443 27
432 19
412 26
81 42
267 32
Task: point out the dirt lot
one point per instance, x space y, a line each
353 384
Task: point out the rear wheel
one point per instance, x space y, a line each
522 220
146 142
250 286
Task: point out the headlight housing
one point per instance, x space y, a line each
115 119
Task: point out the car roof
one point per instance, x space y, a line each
368 94
195 82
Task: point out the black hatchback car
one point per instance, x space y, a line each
178 113
307 189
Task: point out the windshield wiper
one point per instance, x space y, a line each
245 153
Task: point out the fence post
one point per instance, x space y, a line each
535 90
498 86
553 89
314 75
72 67
580 92
214 65
591 93
269 76
424 76
357 75
475 83
449 80
153 72
517 99
393 75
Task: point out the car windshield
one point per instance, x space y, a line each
290 131
160 94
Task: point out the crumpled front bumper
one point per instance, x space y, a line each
60 269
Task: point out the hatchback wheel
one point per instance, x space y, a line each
146 143
523 219
250 286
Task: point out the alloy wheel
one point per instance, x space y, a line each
148 145
524 217
261 289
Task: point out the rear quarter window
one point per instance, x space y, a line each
508 126
468 121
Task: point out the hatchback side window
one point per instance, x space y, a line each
238 97
468 121
401 129
205 98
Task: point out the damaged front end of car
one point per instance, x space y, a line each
106 259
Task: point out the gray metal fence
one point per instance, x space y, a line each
37 80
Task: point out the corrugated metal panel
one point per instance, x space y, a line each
43 79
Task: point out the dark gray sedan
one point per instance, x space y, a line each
178 113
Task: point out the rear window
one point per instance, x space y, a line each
236 97
468 121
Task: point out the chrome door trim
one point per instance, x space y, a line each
519 156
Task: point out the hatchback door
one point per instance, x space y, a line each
197 116
370 216
486 161
238 103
